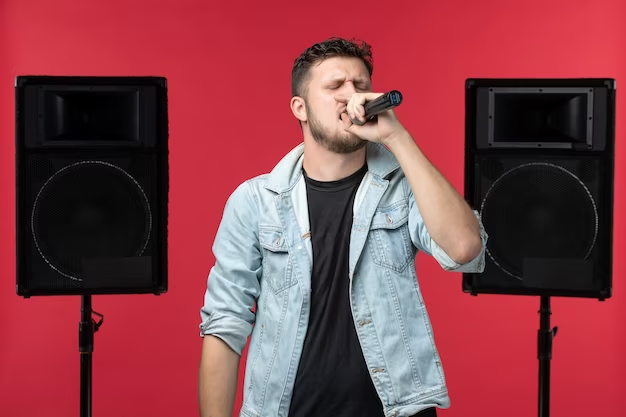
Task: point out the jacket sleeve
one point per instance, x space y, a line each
423 241
233 284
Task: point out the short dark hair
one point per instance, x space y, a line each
329 48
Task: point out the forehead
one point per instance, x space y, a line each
340 68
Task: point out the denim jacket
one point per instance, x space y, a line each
263 254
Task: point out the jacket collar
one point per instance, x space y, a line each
286 174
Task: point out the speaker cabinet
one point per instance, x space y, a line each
539 163
91 185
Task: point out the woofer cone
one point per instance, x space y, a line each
90 209
538 210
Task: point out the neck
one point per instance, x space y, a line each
323 165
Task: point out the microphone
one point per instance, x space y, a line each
378 105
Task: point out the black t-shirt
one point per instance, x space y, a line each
332 378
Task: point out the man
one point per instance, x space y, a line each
325 246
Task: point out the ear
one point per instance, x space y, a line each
298 108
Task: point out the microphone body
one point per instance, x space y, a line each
383 103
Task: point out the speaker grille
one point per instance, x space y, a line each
84 211
547 224
538 210
90 209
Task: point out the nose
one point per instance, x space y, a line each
346 91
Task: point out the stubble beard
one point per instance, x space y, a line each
341 143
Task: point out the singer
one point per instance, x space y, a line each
315 261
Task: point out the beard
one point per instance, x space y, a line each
340 142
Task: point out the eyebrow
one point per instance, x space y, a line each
342 78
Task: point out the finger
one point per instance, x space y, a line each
357 110
350 125
358 101
347 122
371 96
359 121
362 98
353 114
350 108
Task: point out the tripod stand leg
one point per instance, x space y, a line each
86 329
545 338
85 347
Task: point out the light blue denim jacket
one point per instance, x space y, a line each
263 254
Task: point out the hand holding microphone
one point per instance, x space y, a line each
366 116
383 103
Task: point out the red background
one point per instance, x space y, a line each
228 65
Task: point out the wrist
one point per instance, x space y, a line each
397 141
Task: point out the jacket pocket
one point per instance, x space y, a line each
277 261
389 238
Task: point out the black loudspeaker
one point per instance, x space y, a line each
539 162
92 185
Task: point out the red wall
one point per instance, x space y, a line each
228 65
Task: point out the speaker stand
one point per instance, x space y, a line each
86 329
545 338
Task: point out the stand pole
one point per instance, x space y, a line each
545 338
86 329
